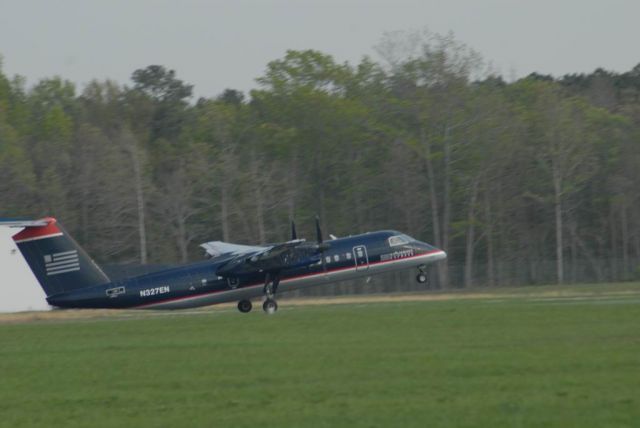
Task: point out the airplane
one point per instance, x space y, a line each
232 272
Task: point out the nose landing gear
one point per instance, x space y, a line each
422 276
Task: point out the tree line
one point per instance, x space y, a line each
529 181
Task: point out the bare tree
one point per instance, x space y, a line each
130 146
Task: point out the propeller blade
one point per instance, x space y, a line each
318 230
294 235
321 246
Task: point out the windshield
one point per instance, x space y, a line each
397 240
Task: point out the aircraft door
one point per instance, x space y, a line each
361 258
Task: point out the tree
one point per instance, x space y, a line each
564 149
166 98
432 96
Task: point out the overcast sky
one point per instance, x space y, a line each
219 44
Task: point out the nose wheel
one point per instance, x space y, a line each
422 276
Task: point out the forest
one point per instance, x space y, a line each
523 181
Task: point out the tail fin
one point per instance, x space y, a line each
57 261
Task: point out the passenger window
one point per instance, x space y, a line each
336 258
348 256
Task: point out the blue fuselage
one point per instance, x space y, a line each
199 284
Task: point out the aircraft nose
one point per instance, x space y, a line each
424 246
438 254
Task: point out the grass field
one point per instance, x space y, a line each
517 359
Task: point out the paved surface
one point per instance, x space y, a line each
542 295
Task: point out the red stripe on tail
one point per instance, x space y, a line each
38 232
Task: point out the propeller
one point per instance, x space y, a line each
318 230
321 246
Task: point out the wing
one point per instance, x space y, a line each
218 248
270 259
273 253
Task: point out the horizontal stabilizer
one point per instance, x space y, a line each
16 222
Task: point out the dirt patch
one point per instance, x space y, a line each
433 297
72 314
502 294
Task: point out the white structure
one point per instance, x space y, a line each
19 288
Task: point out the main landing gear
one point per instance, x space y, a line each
270 305
244 306
422 276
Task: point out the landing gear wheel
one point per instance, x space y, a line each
244 306
422 276
270 306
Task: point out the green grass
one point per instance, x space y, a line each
490 363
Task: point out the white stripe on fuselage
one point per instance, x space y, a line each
289 284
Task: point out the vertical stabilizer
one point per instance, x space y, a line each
56 259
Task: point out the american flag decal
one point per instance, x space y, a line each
61 262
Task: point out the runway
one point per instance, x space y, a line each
602 294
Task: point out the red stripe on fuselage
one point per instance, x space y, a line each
38 232
284 280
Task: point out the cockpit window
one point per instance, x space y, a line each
396 240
